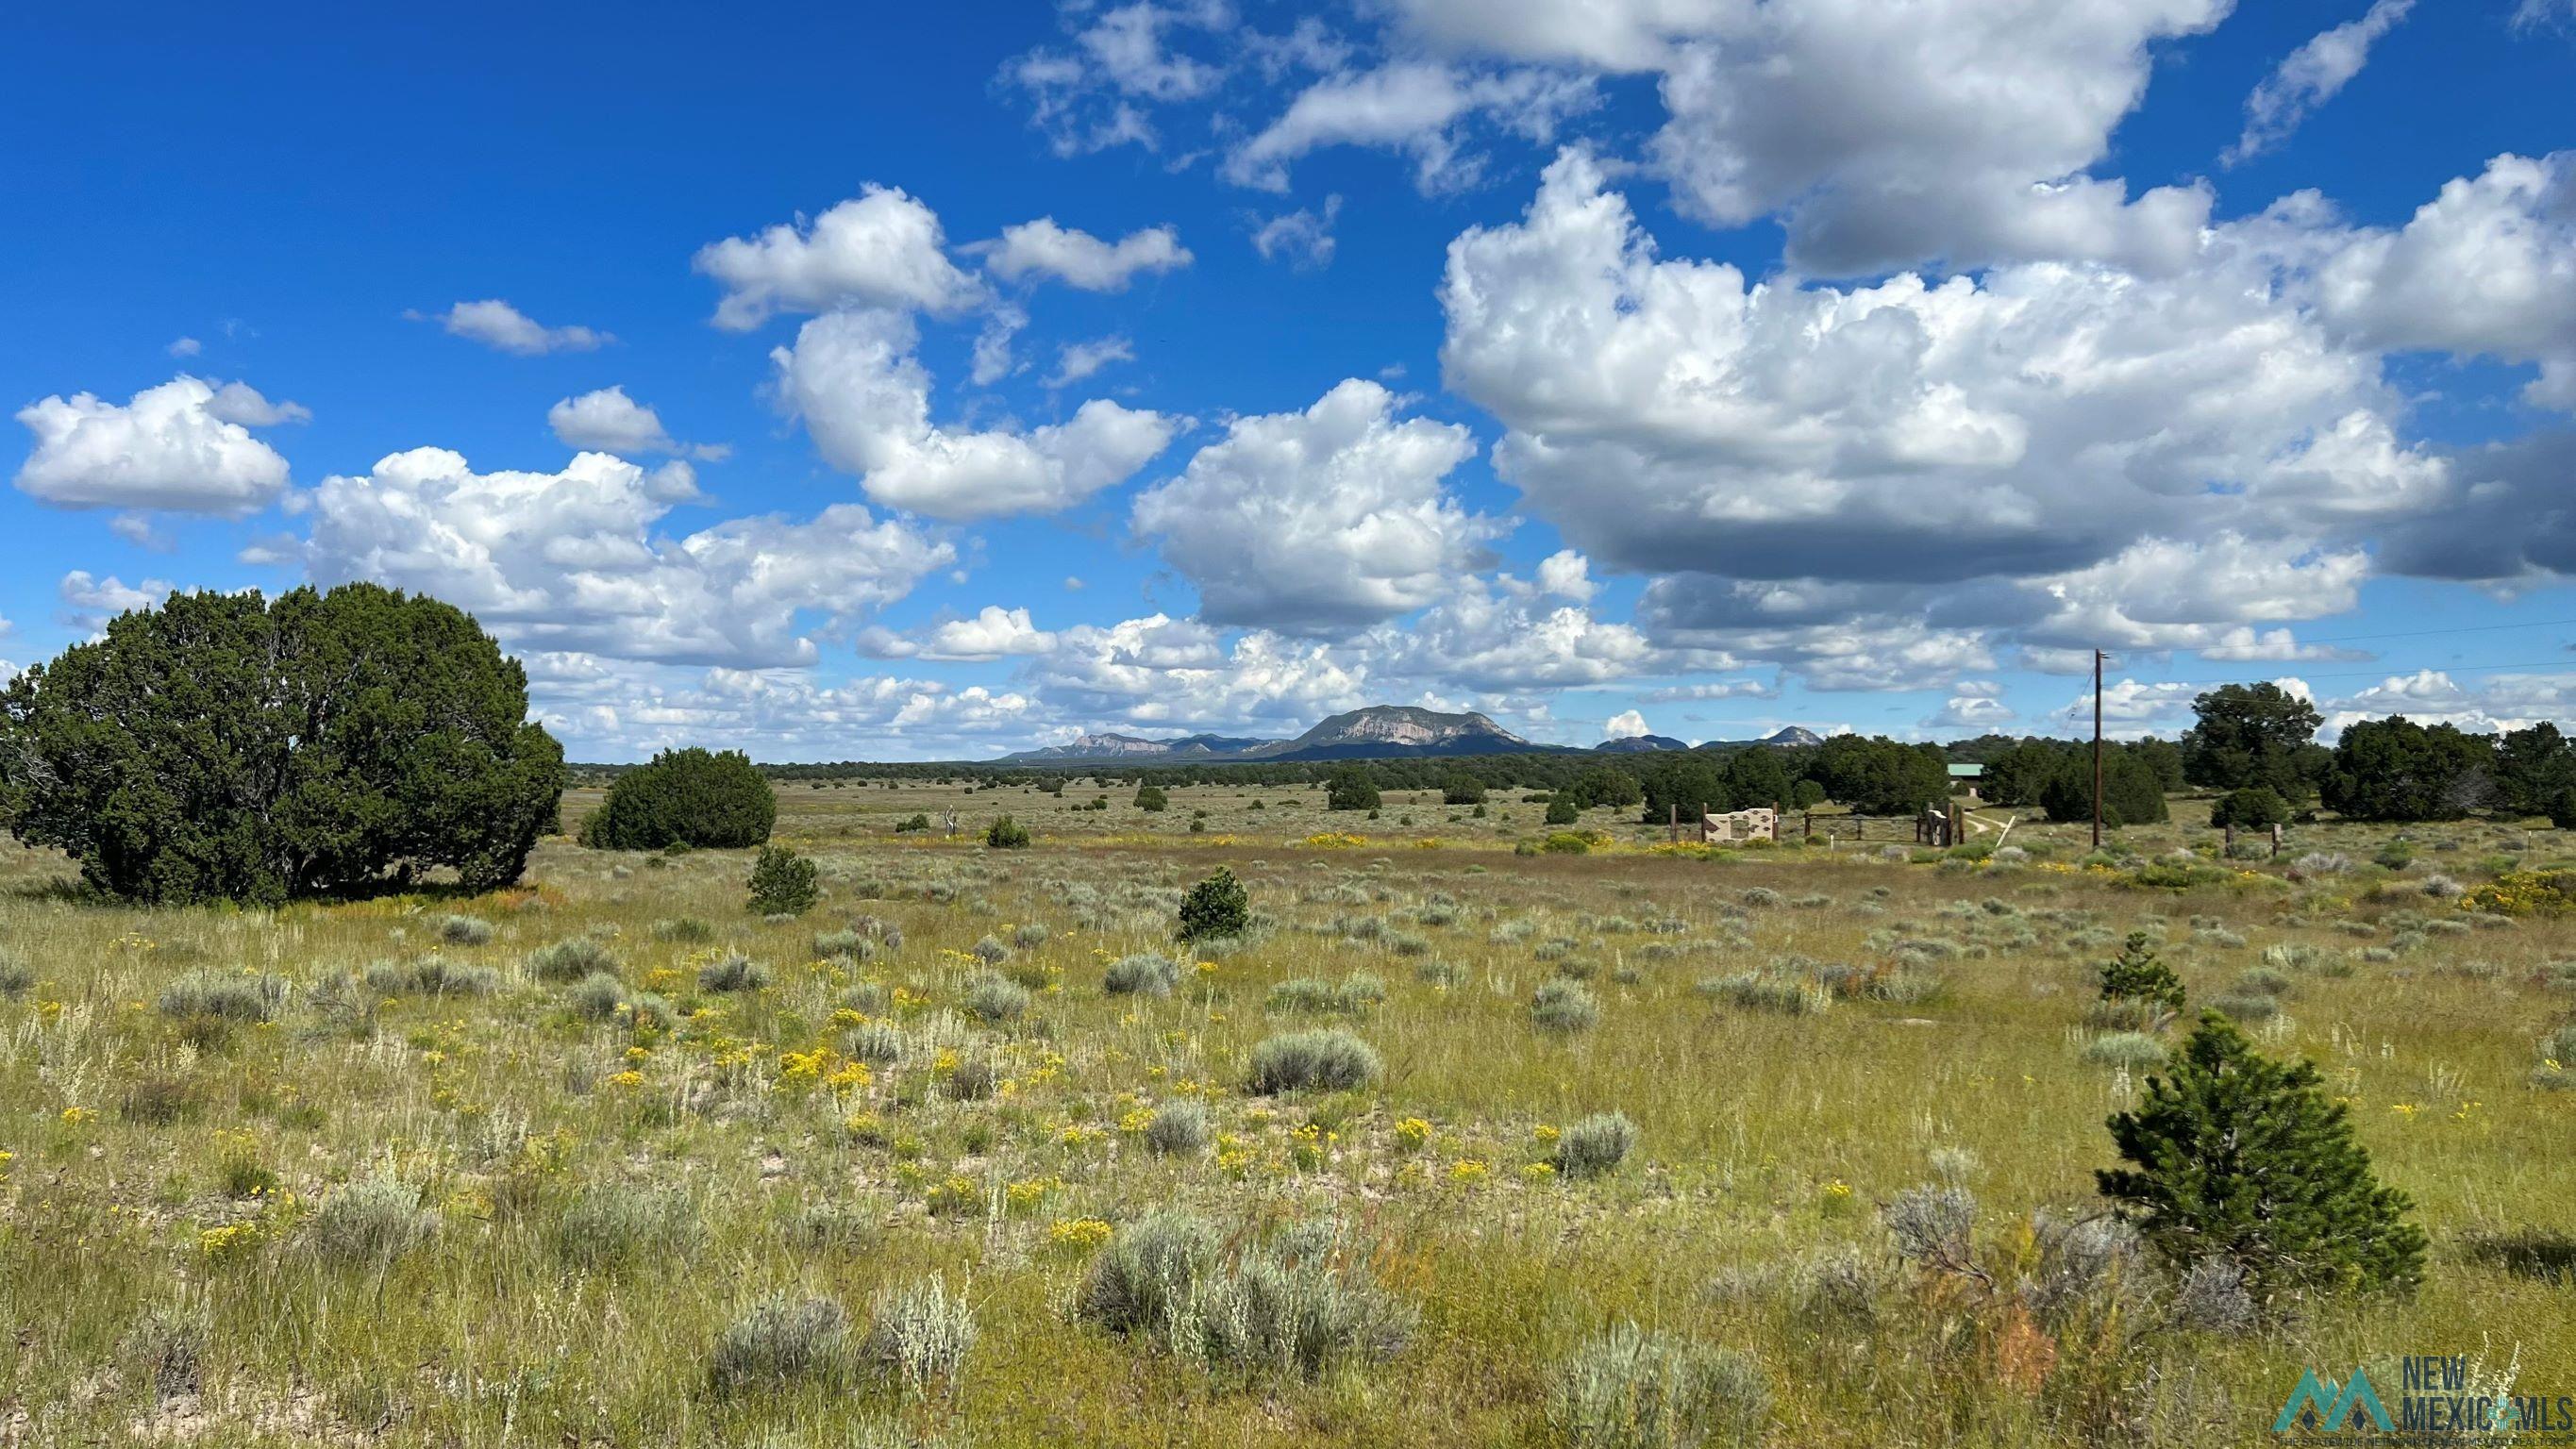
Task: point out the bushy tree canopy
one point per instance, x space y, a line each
227 747
2131 793
1461 788
685 797
1351 788
2253 734
2535 770
1605 785
1686 788
1879 776
2396 769
2253 808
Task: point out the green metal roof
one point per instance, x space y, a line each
1967 772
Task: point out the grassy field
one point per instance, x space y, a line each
409 1171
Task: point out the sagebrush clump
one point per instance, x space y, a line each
1627 1388
1334 1060
1295 1303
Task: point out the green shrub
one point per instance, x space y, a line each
611 1224
1566 842
1143 974
782 883
874 1042
1562 811
2136 1050
1595 1145
1216 906
780 1341
1152 800
1351 787
733 971
2136 975
1629 1389
996 1000
1179 1128
223 996
597 997
1563 1007
1331 1059
1292 1304
1353 994
920 1332
2255 808
431 976
570 959
464 930
1006 834
371 1221
1778 992
2239 1156
856 946
690 797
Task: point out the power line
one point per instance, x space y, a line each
2563 666
2460 629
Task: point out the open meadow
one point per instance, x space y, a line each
607 1159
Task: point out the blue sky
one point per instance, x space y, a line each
889 384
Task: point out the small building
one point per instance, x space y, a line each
1964 778
1737 826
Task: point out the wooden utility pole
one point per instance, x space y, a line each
2097 749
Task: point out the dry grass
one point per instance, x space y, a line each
766 1150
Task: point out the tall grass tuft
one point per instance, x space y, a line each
370 1221
610 1224
570 959
1293 1304
1630 1389
919 1333
223 996
782 1340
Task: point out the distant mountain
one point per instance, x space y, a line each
1787 737
1379 732
1395 731
1185 750
1384 731
1636 744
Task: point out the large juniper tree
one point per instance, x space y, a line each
229 747
2240 1157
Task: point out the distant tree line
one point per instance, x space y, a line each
2252 744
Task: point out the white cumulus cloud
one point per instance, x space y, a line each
866 400
1041 248
184 446
497 324
881 248
1320 520
570 560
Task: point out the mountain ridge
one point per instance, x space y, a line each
1376 732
